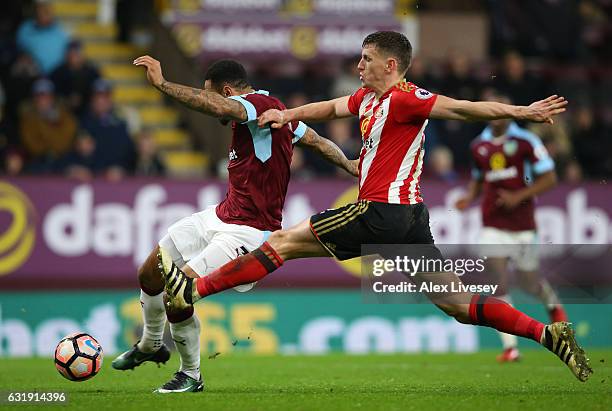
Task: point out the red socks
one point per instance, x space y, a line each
495 313
243 270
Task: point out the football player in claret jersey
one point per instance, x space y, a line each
393 115
258 178
511 167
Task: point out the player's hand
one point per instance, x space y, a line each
462 203
508 199
154 71
274 117
543 111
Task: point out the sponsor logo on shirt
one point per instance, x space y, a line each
502 174
233 155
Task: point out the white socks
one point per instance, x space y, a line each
508 340
186 336
154 317
548 295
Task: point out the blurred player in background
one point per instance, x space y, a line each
259 161
511 167
393 114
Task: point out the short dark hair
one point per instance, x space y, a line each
393 43
228 72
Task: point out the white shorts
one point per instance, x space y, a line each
205 243
522 246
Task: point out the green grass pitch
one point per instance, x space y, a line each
332 382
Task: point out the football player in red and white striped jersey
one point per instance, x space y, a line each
393 115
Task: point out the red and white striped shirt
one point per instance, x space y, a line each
392 130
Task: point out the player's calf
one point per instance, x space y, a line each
149 275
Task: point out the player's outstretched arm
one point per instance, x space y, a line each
540 112
321 111
329 151
205 101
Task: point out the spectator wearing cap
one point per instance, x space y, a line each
47 128
114 146
43 38
74 79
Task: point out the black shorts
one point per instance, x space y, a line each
342 231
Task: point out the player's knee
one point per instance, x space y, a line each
149 276
281 241
459 312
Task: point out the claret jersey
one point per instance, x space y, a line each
259 161
508 162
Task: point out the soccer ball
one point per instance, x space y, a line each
78 357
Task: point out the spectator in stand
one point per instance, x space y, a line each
14 162
43 38
148 163
459 81
592 144
557 141
460 84
298 165
75 77
572 173
347 81
8 134
114 146
341 132
82 163
22 75
441 165
11 15
514 81
47 128
420 74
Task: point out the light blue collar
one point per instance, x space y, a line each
513 130
264 92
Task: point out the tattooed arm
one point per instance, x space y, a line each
329 151
207 102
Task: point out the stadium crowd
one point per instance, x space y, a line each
57 114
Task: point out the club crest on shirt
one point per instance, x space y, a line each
379 112
510 147
497 161
365 122
422 94
232 155
482 150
